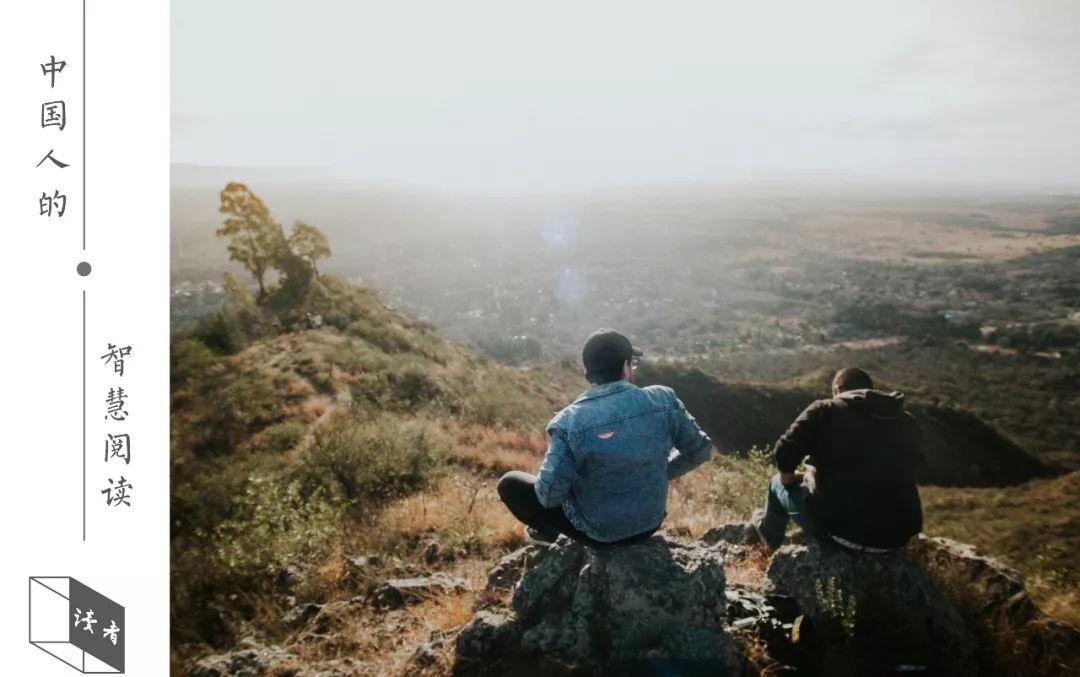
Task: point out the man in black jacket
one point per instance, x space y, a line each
862 450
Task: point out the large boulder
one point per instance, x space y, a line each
874 613
1016 636
579 609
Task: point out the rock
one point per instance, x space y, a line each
736 533
398 592
487 641
431 551
680 533
362 563
872 613
333 615
433 652
290 577
508 571
298 616
579 608
251 660
1016 635
360 569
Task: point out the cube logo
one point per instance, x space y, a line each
77 625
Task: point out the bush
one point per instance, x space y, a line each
222 333
190 359
275 524
277 439
413 386
383 336
402 389
373 461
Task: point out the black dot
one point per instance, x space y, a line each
83 268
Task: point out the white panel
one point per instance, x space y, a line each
48 614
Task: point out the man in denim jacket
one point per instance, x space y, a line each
605 476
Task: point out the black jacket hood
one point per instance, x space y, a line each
875 402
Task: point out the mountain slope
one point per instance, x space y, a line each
961 450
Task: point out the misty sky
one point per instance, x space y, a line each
556 95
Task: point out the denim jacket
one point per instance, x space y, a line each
611 454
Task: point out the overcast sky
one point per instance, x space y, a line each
552 95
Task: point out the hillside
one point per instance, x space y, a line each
961 449
313 462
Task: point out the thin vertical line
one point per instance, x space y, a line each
84 125
84 415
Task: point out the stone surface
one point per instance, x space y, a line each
735 533
580 609
299 615
1016 635
872 613
508 571
252 659
398 592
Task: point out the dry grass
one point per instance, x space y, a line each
749 571
462 508
721 491
1034 527
495 451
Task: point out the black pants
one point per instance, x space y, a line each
517 491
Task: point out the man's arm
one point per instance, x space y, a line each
692 446
558 471
800 440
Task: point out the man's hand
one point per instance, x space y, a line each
788 478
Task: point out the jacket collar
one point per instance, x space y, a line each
604 389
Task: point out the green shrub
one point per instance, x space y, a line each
837 606
190 359
222 332
278 438
275 524
403 389
412 387
382 335
371 461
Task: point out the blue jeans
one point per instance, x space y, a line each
784 502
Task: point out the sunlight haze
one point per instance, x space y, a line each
562 95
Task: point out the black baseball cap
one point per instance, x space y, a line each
606 350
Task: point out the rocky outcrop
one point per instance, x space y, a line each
253 659
250 660
872 614
664 606
1018 638
577 609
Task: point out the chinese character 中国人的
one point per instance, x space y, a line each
118 446
116 356
49 157
56 202
52 69
117 493
87 620
54 114
110 632
114 403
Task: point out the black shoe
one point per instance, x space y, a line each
537 537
